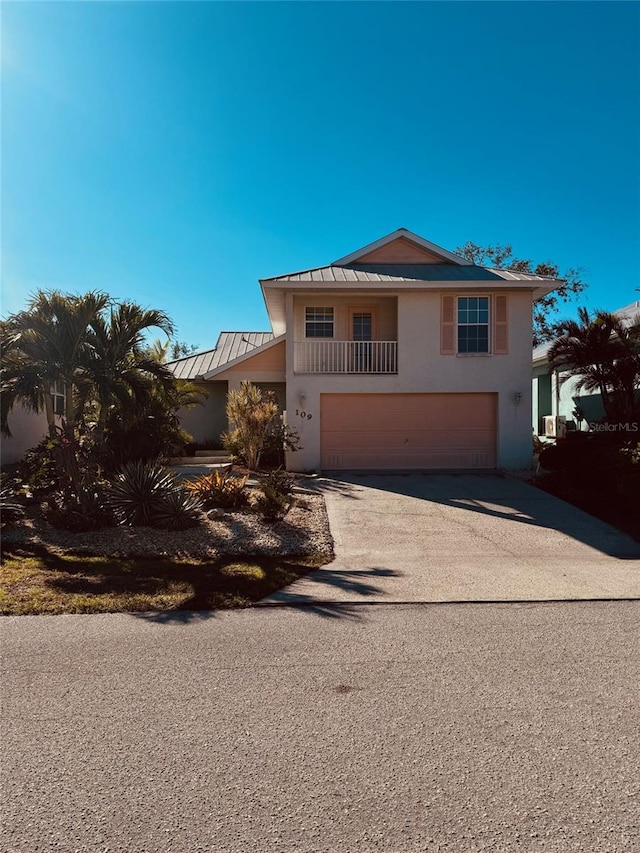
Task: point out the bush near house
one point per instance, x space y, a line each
276 495
597 474
258 437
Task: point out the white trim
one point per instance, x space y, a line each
409 235
221 368
488 324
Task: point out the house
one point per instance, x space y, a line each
400 355
556 393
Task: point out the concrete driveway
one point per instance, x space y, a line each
463 537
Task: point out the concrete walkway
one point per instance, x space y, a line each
437 537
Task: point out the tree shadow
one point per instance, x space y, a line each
155 589
176 617
335 485
355 582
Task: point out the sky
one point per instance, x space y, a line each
174 153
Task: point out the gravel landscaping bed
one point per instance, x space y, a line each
303 532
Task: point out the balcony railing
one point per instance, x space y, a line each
323 356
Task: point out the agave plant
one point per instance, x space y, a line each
178 510
137 491
10 507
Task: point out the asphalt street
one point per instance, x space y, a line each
437 727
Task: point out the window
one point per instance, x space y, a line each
57 393
318 323
473 324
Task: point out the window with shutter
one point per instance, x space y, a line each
473 324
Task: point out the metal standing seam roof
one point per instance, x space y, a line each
230 345
404 273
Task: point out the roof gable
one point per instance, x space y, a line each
401 251
230 346
402 247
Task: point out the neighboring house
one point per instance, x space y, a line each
28 428
399 355
555 392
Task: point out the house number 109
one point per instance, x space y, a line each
303 414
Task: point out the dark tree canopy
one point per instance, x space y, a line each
181 349
546 324
604 353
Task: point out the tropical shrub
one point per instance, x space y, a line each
152 432
79 512
598 475
38 469
142 494
253 413
276 495
279 439
60 463
231 443
220 489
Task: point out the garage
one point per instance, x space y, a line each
413 431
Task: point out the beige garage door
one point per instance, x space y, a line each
377 431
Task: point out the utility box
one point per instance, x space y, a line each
555 426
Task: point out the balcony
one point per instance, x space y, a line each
325 356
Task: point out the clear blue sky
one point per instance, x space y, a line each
173 153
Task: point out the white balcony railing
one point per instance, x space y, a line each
323 356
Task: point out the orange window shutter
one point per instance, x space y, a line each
500 325
447 326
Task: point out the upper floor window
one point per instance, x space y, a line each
57 393
473 324
318 323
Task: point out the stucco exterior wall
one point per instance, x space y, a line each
268 361
206 422
384 309
422 369
27 430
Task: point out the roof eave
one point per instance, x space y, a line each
275 312
308 285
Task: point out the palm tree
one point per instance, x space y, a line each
43 345
604 353
119 371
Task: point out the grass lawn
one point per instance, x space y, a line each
34 581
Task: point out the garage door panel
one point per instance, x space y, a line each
408 431
415 439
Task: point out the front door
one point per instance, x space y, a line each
362 336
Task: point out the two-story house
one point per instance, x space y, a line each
400 355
